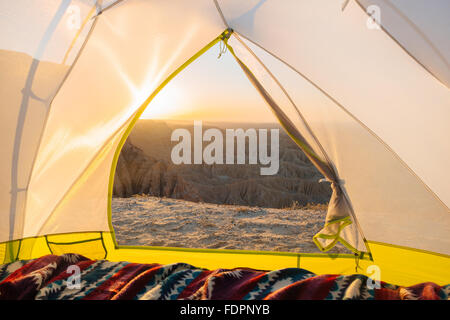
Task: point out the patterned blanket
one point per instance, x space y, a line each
72 276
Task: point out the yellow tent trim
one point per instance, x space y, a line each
398 265
335 237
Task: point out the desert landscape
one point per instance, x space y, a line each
224 206
166 222
145 167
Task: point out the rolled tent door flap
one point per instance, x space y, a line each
339 213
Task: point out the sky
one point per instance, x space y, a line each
210 89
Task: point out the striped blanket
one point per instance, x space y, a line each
72 276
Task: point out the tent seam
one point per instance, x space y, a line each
216 3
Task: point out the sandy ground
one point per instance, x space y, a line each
153 221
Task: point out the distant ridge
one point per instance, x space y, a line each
144 167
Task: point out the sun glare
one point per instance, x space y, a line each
166 104
225 94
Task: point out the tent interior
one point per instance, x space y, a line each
367 106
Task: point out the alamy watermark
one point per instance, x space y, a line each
374 277
74 281
213 153
73 17
374 20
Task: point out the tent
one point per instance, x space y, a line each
361 86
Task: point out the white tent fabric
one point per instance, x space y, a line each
377 102
37 48
381 200
421 28
385 91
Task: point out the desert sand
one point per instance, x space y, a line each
155 221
